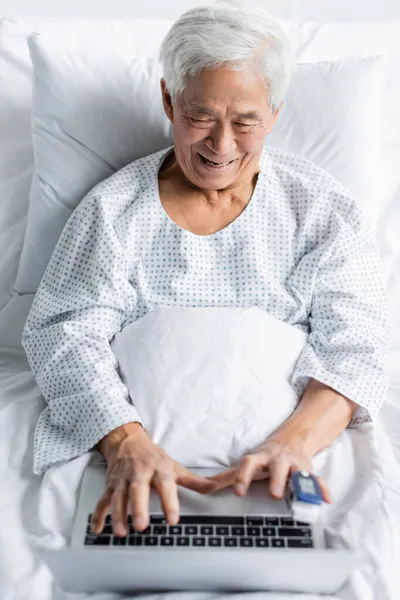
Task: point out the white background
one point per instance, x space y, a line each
321 10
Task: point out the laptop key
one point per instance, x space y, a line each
214 541
278 543
246 542
159 529
119 541
253 531
182 541
294 531
269 531
238 531
255 520
288 521
262 542
150 540
97 540
222 530
300 543
207 530
135 540
191 530
167 541
199 541
273 521
230 542
175 530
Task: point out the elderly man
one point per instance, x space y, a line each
218 219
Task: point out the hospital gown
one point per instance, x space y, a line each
301 250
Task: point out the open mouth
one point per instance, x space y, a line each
215 165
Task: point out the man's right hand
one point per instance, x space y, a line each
134 464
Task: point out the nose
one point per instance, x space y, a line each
222 139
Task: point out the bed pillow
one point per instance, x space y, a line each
16 155
16 151
94 111
337 41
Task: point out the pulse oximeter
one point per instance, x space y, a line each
304 497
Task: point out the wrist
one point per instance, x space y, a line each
118 435
296 435
321 415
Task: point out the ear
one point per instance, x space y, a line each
278 110
166 100
274 118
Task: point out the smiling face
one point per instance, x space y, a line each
221 116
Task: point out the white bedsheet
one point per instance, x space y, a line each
37 512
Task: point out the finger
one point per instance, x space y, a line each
119 504
192 481
168 492
139 497
279 472
101 510
224 478
326 494
247 470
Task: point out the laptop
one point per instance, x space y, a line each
222 542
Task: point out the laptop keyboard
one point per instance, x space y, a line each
200 531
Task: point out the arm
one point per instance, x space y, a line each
343 365
320 416
347 345
82 301
341 375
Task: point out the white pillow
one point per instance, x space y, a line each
93 112
16 156
337 41
234 390
332 116
16 152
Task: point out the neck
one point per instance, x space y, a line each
238 194
225 198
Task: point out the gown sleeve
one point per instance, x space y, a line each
348 321
82 301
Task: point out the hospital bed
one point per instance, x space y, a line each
38 511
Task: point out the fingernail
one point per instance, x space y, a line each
276 490
240 489
174 518
120 530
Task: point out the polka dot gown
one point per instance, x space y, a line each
301 250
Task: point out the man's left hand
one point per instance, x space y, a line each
277 458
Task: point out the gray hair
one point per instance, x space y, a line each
232 34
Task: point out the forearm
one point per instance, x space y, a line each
320 417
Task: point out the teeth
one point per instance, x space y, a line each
217 164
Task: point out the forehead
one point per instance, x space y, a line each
214 91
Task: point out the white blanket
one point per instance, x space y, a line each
198 378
